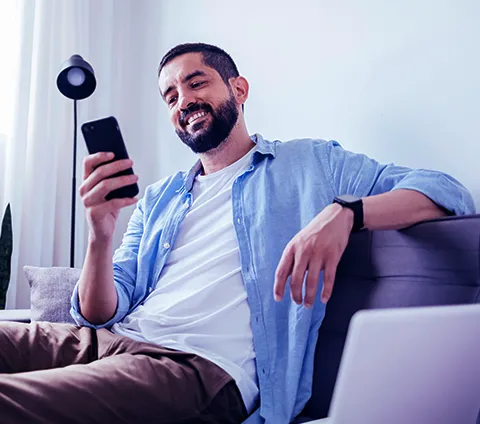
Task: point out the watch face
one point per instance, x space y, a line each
348 198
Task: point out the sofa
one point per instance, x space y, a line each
431 263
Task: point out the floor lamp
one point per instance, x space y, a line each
76 80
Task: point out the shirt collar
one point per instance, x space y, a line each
264 148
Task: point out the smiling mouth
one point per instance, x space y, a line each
196 117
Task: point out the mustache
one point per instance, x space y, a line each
197 107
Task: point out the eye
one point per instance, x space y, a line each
172 100
197 84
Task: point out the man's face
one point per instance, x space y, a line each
203 109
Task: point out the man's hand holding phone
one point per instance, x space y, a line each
97 183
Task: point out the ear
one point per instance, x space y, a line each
240 89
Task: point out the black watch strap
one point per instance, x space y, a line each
356 205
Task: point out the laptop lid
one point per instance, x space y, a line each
410 365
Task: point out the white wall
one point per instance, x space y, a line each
397 80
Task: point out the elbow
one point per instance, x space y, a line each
98 317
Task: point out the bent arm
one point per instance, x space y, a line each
393 194
104 292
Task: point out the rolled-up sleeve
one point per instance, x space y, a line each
359 175
125 262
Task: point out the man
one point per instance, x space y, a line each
211 306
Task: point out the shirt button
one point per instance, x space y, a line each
185 206
150 289
238 220
166 245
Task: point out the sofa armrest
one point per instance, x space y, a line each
18 315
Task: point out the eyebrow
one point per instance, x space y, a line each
190 76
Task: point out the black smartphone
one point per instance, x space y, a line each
103 135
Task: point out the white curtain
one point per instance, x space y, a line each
119 38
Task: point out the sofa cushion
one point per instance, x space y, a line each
50 292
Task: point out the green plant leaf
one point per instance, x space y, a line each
6 248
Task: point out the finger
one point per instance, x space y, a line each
90 162
298 276
284 269
97 194
102 172
311 283
328 280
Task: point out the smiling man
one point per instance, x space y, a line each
210 308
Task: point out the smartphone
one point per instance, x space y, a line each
103 135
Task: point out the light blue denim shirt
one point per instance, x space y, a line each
283 189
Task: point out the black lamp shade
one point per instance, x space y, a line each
76 79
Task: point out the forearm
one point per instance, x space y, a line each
96 289
398 209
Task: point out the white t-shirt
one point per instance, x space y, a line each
199 304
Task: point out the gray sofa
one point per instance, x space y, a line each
432 263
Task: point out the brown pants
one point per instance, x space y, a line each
61 373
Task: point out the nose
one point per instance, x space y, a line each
185 101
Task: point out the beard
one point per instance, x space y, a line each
205 136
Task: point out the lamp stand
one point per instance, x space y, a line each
74 186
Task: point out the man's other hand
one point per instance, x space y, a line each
319 246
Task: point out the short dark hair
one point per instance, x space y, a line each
213 56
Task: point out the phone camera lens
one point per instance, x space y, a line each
91 127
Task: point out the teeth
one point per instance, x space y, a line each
195 116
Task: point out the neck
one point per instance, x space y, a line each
234 147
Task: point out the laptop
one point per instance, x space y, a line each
418 365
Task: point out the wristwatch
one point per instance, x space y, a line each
356 205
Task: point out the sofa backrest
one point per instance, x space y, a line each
432 263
